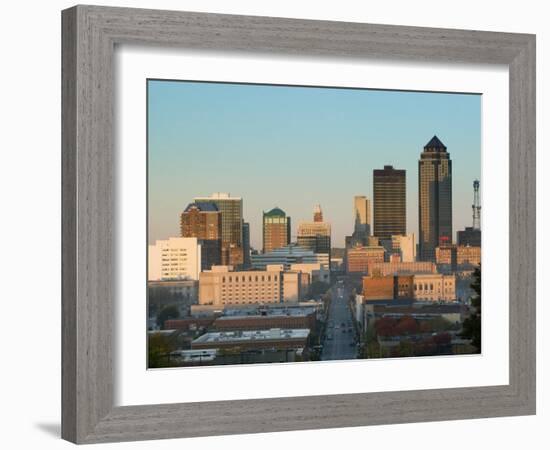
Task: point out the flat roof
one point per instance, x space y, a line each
252 335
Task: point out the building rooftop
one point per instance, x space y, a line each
202 206
267 312
275 212
435 144
252 335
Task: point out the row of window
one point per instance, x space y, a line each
242 278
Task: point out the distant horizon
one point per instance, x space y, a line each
295 147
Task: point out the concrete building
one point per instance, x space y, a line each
445 258
434 287
316 271
174 259
288 255
468 256
391 287
315 235
390 207
274 338
358 259
435 199
405 245
287 319
401 268
203 221
276 230
361 215
431 287
231 209
223 286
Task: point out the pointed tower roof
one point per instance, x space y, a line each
435 144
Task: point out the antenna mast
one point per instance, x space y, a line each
476 208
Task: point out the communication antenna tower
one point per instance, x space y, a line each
476 207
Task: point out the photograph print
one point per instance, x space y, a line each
290 224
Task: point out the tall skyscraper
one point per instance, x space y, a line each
203 221
435 202
315 235
276 230
361 215
390 212
231 209
246 245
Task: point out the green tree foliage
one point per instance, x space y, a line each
159 348
158 297
168 312
471 328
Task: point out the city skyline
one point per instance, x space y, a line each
295 147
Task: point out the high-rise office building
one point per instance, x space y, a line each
276 230
361 216
231 209
390 215
315 235
246 245
203 221
435 199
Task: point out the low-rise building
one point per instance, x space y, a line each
288 255
316 271
401 268
288 319
358 259
274 338
468 256
223 286
431 287
434 287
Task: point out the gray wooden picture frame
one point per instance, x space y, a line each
90 34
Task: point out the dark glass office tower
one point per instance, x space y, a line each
231 209
390 204
435 199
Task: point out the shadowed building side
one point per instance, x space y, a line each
390 216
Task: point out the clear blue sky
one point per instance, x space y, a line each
293 147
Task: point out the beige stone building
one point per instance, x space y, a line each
358 259
434 287
401 268
223 286
431 287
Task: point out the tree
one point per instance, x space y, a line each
159 349
471 328
168 312
407 325
385 326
